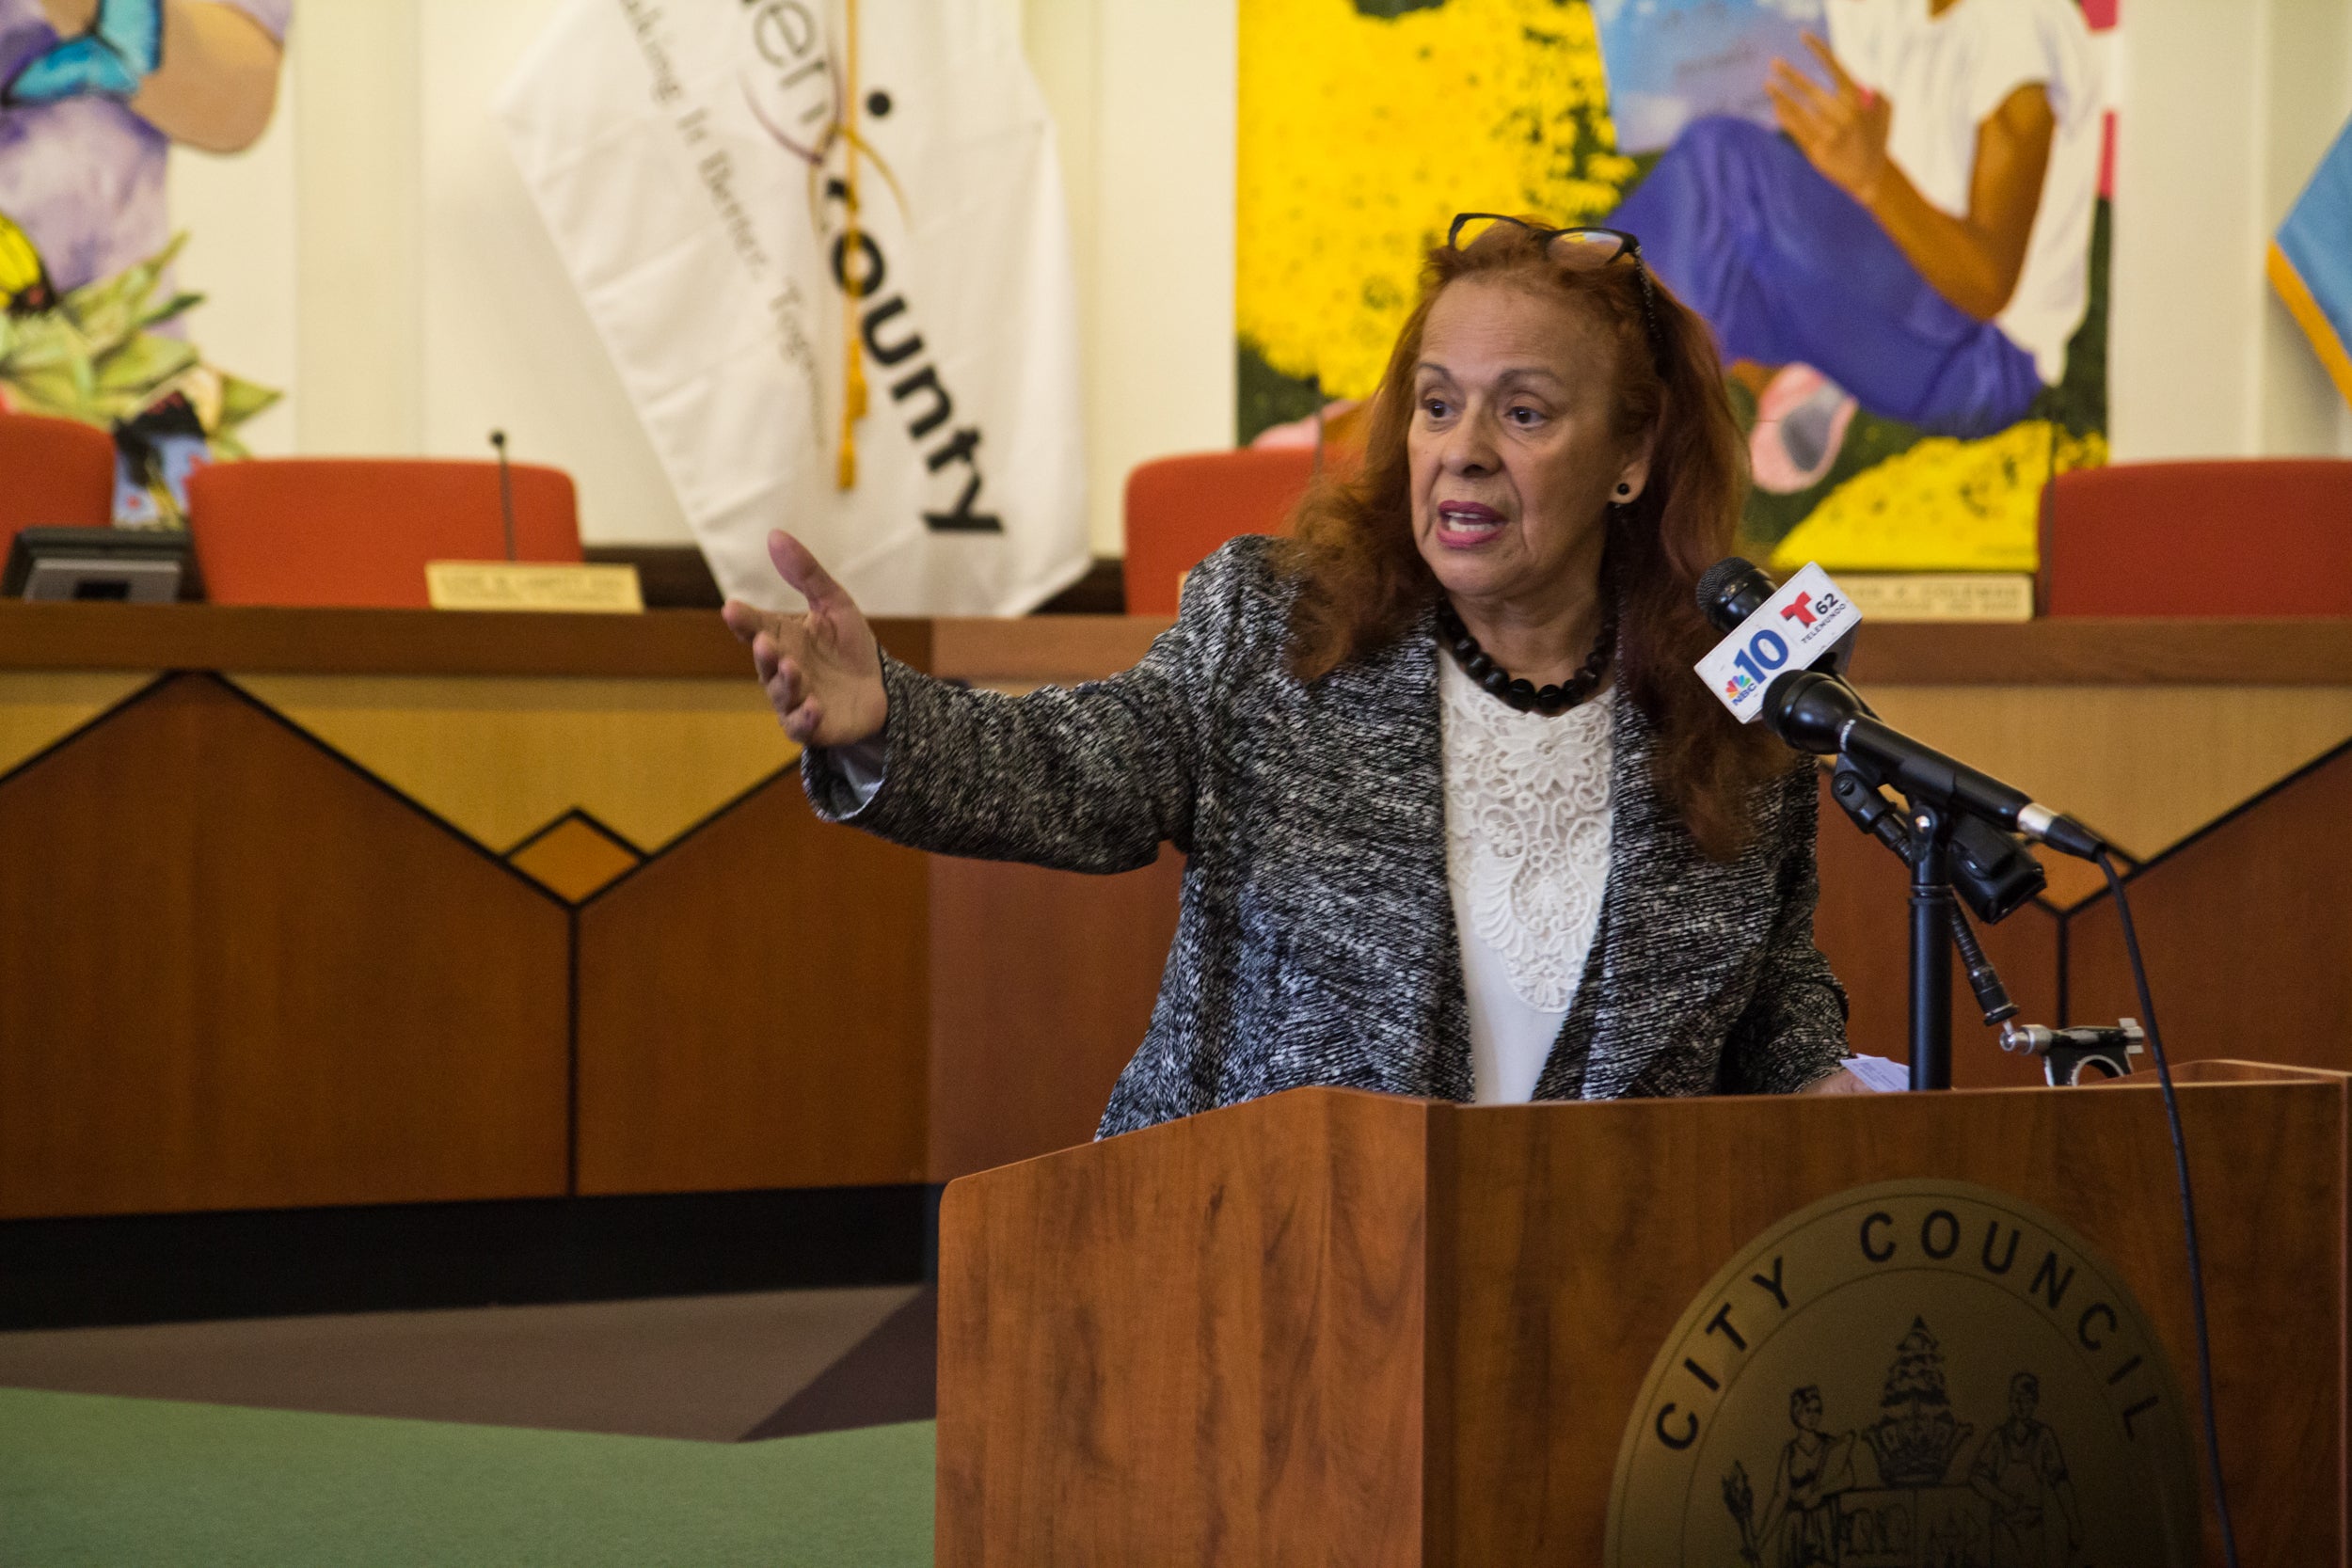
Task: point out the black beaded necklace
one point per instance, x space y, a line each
1519 693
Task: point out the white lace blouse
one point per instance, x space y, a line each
1527 829
1527 834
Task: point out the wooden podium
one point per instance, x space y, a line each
1339 1328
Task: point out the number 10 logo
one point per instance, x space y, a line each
1764 654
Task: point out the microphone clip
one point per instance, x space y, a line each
2068 1054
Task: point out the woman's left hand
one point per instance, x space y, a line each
1841 1082
821 668
1841 133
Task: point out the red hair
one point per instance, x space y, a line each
1362 583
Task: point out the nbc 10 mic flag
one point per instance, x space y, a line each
765 204
2311 261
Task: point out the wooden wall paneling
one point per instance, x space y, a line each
1862 927
1042 983
236 973
674 643
692 643
40 707
753 1009
2246 930
575 857
2112 756
2098 650
503 757
2068 652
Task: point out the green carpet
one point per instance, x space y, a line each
90 1480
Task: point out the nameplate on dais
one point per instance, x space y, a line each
532 585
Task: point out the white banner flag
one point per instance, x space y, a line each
697 164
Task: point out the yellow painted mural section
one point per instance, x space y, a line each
1969 506
1362 137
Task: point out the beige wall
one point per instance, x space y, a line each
1144 94
2227 107
240 217
376 254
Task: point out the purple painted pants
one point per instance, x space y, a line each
1788 269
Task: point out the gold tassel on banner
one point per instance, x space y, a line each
854 360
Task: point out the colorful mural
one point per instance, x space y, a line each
1912 306
93 94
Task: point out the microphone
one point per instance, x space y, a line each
506 491
1991 870
1735 588
1818 712
1732 590
1821 714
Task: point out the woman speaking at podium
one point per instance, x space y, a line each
1459 820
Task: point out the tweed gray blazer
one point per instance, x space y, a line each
1317 943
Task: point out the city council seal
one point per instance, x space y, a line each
1911 1374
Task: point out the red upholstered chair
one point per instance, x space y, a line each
357 532
1181 509
2253 536
54 473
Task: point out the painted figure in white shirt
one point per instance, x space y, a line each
1919 245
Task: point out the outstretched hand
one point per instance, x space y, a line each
821 670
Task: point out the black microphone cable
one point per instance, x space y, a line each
2189 1207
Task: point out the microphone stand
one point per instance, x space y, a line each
1931 913
506 492
1936 917
1987 857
